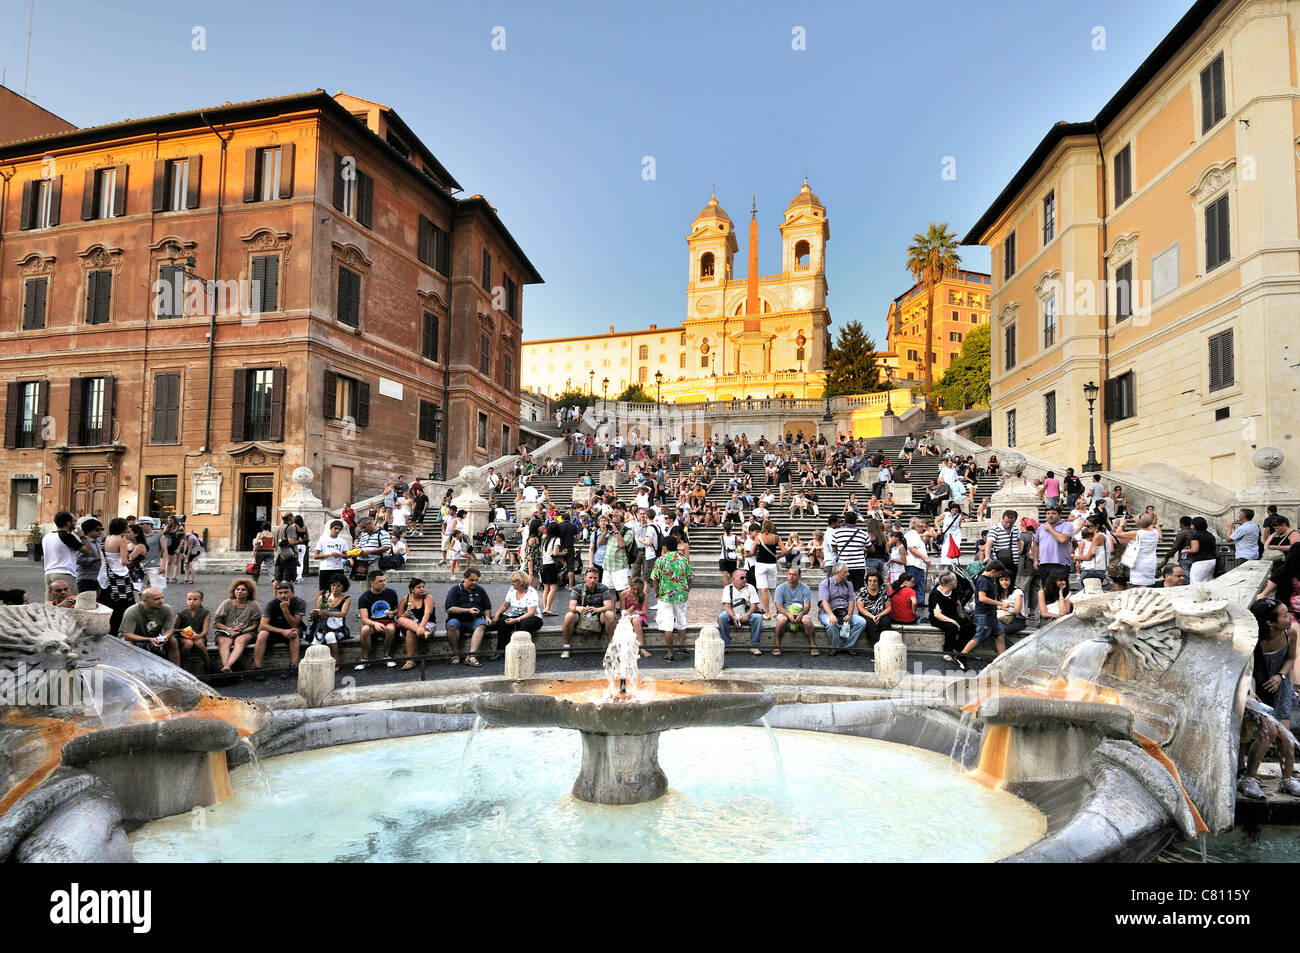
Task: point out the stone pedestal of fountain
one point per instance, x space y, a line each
521 656
710 652
620 769
316 675
891 658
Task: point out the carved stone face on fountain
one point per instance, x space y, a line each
1145 624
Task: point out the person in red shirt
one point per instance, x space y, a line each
349 516
902 601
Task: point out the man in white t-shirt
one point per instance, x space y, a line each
917 558
59 549
329 553
675 451
530 494
948 473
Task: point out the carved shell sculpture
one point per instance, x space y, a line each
37 636
1145 624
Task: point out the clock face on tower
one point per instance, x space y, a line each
705 305
802 298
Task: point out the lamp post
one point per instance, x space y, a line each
604 400
1090 391
659 421
437 442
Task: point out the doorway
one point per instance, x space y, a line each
255 502
90 493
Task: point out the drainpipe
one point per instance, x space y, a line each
1105 301
212 300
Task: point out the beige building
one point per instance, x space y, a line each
961 303
1154 251
753 336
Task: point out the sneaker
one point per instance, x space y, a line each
390 663
360 667
565 653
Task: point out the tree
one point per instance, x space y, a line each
851 364
966 382
572 398
635 394
931 258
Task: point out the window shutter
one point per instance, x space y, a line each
250 175
1207 97
259 281
338 181
363 404
277 404
27 216
92 282
365 198
74 411
1225 247
429 343
331 394
119 190
349 303
1228 370
99 291
238 398
423 240
286 170
34 304
160 185
56 198
425 424
193 192
159 408
108 409
42 411
1216 362
13 401
271 289
442 251
88 196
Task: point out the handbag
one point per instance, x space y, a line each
953 551
1130 557
250 568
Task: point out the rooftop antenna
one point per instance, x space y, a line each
31 10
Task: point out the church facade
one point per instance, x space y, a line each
755 336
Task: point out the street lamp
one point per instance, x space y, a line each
604 400
889 406
1090 391
659 379
591 388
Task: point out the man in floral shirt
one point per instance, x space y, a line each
672 580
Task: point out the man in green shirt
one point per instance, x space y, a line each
616 541
150 624
672 579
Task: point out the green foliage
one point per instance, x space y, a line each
573 398
635 394
851 364
966 383
930 258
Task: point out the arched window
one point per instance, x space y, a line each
683 339
682 360
706 265
643 353
802 255
641 374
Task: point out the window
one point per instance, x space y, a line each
1049 217
1049 321
434 248
956 316
681 363
1222 370
1011 428
1049 413
485 276
974 319
268 173
25 409
428 422
802 256
349 303
511 294
1217 243
162 496
41 201
1123 175
22 512
347 399
34 293
912 355
1119 400
482 430
1009 256
429 336
257 404
954 337
484 356
1009 348
642 374
354 191
643 353
1214 104
507 370
1124 292
166 408
90 412
266 284
99 295
799 353
169 293
505 440
704 361
176 184
104 195
706 265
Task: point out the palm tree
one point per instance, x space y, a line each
931 258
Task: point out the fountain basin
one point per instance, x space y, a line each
620 732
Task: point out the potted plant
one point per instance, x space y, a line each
34 542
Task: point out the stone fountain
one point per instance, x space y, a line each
620 718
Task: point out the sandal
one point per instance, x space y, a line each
455 660
670 657
815 652
645 653
471 660
755 651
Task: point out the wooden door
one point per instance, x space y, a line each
340 486
91 493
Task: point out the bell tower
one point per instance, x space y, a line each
712 250
804 233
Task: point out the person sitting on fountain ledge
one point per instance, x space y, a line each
149 625
1275 652
282 619
793 600
59 595
740 606
592 607
468 607
838 599
377 608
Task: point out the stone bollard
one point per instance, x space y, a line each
891 657
316 675
709 652
521 656
1092 585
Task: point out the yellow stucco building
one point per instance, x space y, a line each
756 336
961 303
1155 251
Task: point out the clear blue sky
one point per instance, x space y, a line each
553 129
